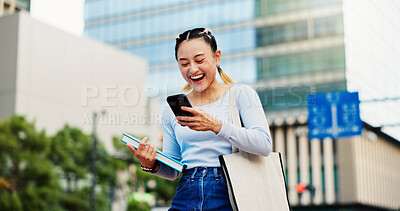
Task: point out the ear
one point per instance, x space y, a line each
218 56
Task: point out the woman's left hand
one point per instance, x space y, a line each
201 121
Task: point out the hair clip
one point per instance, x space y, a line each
207 31
188 34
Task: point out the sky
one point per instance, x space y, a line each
66 15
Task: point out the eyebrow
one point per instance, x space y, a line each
200 54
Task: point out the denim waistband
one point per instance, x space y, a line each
203 171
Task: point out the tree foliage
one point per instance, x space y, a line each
38 172
29 178
135 205
71 150
163 190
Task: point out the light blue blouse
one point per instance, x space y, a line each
202 148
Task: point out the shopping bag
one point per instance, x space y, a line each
254 182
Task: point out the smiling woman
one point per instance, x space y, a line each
198 140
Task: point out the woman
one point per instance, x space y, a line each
197 141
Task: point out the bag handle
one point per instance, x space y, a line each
234 116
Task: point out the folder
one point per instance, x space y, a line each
167 160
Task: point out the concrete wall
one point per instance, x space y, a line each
8 64
57 78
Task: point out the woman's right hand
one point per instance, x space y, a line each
145 153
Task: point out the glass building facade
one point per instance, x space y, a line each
149 28
13 6
254 36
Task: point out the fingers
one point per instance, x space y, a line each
143 148
151 153
149 156
199 116
201 121
148 150
142 144
189 123
188 118
133 150
154 154
189 109
146 153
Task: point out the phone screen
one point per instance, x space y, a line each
176 101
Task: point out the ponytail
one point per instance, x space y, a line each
225 78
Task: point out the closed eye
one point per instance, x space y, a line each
200 61
184 64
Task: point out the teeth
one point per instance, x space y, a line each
196 77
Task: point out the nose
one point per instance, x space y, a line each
193 68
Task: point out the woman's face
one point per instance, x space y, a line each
198 63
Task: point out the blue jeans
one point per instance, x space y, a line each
201 188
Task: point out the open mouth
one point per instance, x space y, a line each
197 78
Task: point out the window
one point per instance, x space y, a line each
284 33
328 26
293 96
266 7
292 64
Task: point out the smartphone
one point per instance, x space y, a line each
176 101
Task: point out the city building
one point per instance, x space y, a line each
55 78
355 173
12 6
285 49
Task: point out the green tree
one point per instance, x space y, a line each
135 205
164 190
71 150
28 179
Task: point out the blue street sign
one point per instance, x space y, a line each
333 114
